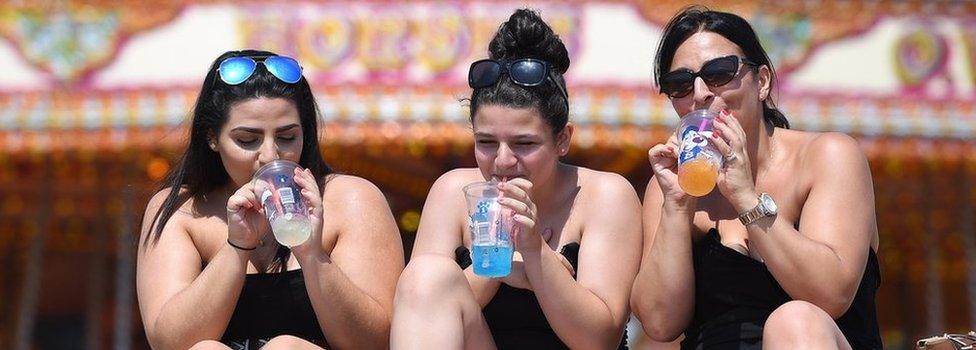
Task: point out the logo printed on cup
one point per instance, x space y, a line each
491 243
698 159
286 213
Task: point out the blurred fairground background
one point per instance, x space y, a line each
94 97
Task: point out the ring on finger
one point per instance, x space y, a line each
729 157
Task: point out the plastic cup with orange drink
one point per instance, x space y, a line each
698 159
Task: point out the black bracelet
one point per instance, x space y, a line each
239 247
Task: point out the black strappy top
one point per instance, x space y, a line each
735 294
272 304
514 316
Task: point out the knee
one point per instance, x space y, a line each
795 321
428 277
285 342
209 345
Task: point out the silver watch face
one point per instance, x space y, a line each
768 205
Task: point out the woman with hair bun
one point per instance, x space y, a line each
579 230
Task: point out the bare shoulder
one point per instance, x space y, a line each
831 150
156 203
607 196
157 199
455 180
605 186
344 191
175 228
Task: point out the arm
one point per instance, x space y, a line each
608 261
823 262
352 288
182 304
442 226
663 294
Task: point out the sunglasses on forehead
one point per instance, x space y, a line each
236 70
523 71
715 73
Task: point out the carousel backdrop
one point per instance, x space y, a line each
94 99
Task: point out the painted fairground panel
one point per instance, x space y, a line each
94 97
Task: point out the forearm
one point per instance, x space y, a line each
350 318
589 323
663 294
806 269
484 289
202 310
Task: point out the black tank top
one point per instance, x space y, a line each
514 316
735 294
272 304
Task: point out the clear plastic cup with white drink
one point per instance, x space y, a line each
274 183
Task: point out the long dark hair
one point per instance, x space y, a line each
696 19
199 170
526 35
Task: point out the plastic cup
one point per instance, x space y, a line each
282 201
491 228
698 159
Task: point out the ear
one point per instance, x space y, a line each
212 141
765 82
564 138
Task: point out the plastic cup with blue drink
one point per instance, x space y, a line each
491 230
281 198
698 159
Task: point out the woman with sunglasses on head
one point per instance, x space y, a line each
211 275
783 254
553 298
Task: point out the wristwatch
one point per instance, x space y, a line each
765 208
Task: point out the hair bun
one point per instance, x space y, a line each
526 35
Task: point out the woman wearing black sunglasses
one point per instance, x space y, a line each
211 275
578 244
783 254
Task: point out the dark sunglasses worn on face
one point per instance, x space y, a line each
524 72
715 73
236 70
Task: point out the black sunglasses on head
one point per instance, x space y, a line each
715 73
523 71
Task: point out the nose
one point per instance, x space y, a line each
703 94
506 158
268 152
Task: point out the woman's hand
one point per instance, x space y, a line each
518 279
313 200
735 179
523 213
664 162
245 218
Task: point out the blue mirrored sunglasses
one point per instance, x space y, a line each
236 70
